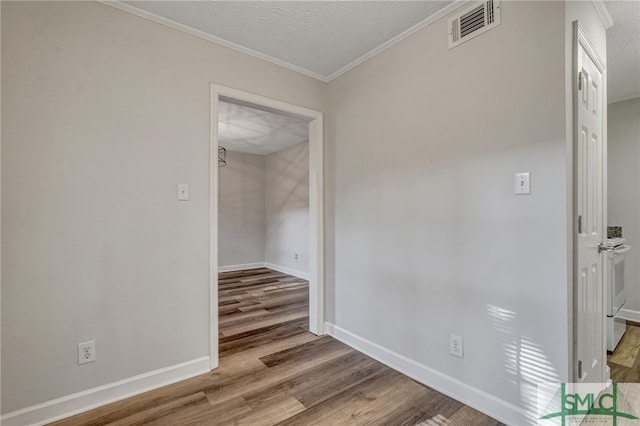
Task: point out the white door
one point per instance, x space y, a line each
589 156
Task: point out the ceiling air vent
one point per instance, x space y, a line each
473 21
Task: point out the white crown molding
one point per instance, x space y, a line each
201 34
395 40
601 8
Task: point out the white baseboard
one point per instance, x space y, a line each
497 408
629 315
77 403
241 267
285 270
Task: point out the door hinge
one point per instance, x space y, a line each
580 80
579 370
580 224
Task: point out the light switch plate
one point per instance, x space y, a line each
183 192
523 183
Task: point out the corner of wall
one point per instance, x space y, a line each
495 407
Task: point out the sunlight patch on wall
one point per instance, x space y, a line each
524 359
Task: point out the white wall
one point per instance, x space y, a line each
624 187
264 210
241 209
104 113
287 208
428 237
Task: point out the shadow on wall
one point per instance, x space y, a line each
241 209
288 178
264 209
524 359
287 207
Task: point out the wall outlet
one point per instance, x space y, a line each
86 352
455 346
295 256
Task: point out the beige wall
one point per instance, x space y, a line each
428 236
287 208
241 210
264 209
624 188
104 113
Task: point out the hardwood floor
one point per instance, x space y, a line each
624 362
274 372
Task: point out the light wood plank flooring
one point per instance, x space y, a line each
274 372
624 362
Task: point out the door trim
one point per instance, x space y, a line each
316 207
580 38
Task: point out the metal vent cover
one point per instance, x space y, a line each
473 21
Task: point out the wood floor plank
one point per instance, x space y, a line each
268 291
259 322
325 349
431 409
240 316
270 413
238 360
628 348
297 297
243 341
420 407
366 404
624 362
263 286
322 381
165 411
313 350
241 305
468 416
253 283
232 275
206 414
258 319
273 371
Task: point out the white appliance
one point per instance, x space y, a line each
615 292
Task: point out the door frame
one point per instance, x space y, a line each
580 38
316 206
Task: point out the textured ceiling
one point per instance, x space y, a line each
623 50
317 37
254 131
325 38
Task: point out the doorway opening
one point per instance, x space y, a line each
306 259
